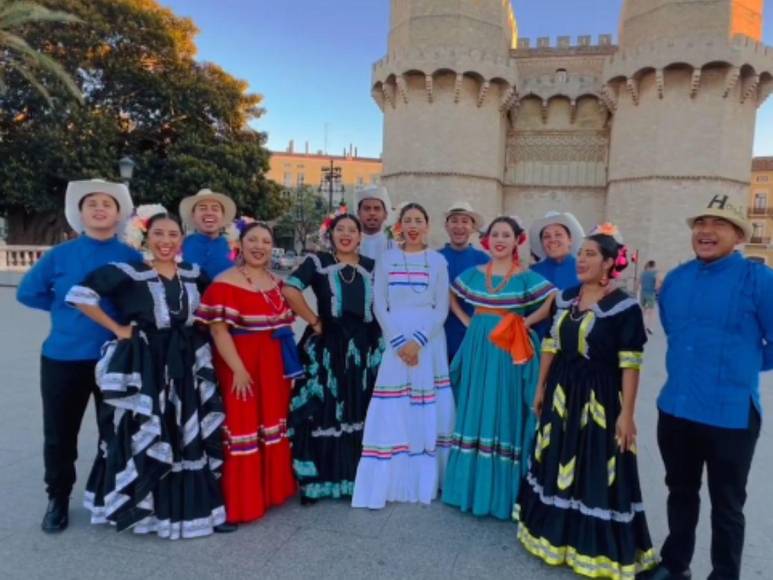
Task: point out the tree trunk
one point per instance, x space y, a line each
44 228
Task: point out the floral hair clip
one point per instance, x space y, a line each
234 230
135 230
607 229
328 223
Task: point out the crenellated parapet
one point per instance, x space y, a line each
740 61
390 74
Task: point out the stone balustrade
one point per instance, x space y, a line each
20 258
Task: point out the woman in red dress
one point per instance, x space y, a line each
250 324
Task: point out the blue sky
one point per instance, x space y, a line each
311 59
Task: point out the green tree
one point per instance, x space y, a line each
186 124
300 223
17 55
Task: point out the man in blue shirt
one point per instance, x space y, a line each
717 313
95 209
207 213
461 222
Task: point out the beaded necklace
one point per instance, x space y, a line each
181 294
266 294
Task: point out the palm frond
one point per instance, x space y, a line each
31 79
41 61
16 14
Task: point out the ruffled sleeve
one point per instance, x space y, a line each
218 305
303 275
104 282
632 337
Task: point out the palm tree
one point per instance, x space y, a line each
16 54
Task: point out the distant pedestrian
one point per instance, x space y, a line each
649 284
580 504
95 210
207 213
461 222
717 313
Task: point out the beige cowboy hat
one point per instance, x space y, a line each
464 208
565 219
720 206
188 203
77 190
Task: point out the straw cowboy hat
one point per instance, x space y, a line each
77 190
555 217
464 208
188 203
378 192
720 207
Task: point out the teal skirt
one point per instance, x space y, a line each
494 423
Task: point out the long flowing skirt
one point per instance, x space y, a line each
407 429
329 405
258 463
494 423
159 463
581 504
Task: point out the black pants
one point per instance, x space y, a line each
727 453
65 387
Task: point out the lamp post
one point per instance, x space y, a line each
331 180
126 167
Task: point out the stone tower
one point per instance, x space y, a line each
445 87
684 88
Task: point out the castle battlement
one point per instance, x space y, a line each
582 44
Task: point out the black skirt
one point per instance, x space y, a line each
581 504
158 465
327 411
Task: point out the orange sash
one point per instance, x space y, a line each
511 335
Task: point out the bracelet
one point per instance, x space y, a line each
315 322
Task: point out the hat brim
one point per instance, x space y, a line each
728 216
188 203
77 190
565 219
474 215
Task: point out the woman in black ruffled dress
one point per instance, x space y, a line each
158 466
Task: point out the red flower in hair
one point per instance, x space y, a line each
485 243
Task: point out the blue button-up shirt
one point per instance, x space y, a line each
718 317
73 336
211 254
458 262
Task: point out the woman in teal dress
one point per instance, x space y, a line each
494 375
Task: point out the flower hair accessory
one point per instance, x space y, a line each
328 223
137 227
621 261
234 231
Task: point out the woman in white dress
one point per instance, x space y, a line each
411 414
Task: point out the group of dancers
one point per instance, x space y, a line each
507 390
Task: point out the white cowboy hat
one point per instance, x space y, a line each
378 192
555 217
188 203
77 190
464 208
720 207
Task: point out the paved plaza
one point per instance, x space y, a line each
329 540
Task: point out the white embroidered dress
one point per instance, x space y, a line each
411 414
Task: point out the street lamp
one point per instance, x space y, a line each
126 169
331 179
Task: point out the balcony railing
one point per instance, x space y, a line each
760 240
760 211
20 258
